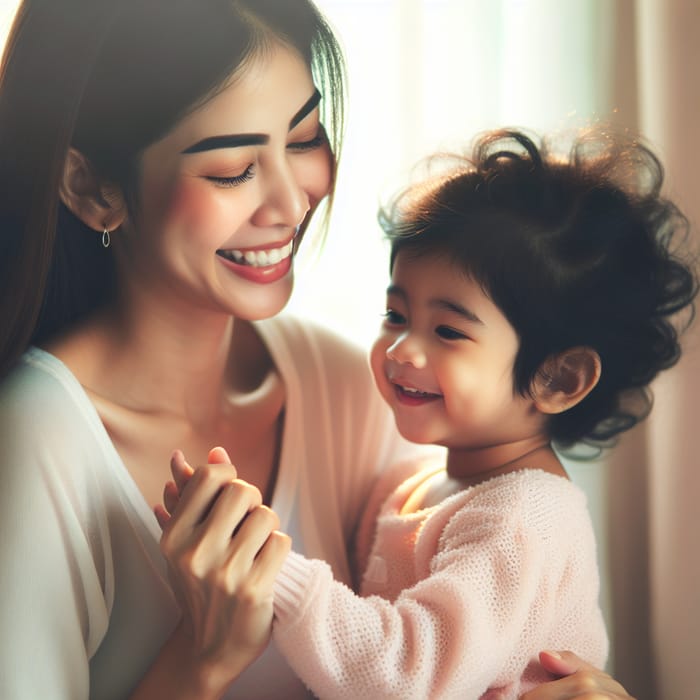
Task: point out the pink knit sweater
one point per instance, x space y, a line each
456 599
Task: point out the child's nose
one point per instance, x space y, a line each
407 349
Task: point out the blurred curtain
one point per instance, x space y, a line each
654 477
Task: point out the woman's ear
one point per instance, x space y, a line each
97 204
565 379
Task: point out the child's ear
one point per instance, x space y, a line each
98 205
565 379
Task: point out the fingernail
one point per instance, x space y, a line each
555 654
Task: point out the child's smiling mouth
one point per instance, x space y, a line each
412 396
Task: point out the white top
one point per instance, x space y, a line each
86 603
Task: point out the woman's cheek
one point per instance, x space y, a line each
199 209
314 174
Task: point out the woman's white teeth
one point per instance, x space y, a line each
259 258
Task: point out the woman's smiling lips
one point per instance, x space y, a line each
262 265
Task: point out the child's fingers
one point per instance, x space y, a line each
162 515
180 469
218 455
171 496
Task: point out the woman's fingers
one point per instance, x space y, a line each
235 500
271 557
581 682
251 536
560 663
197 499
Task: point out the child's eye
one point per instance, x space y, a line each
450 333
233 181
393 318
310 145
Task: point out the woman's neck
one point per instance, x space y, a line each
163 359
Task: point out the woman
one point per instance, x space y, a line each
160 165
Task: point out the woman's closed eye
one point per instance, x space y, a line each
316 142
233 180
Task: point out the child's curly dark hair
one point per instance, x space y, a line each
580 251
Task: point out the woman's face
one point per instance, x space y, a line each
223 193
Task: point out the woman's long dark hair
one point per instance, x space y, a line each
110 78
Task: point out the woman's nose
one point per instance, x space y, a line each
407 349
285 202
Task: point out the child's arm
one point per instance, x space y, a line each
486 602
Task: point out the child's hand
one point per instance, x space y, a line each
581 680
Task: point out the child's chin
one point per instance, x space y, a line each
417 436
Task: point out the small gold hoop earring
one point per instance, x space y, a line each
106 240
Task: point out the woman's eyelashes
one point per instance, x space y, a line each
298 146
233 180
316 142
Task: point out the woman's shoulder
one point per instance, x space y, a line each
40 397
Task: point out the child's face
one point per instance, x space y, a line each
444 360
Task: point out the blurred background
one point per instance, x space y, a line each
428 75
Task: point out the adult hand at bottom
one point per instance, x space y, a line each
581 681
224 552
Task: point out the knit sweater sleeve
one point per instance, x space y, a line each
499 584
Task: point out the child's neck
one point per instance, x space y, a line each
472 466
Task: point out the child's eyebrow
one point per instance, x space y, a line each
442 304
456 308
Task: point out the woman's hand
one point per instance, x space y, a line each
224 552
581 682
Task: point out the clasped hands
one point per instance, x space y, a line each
223 551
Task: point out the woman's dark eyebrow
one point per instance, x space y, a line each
237 140
308 107
227 141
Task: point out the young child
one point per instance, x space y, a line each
530 305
